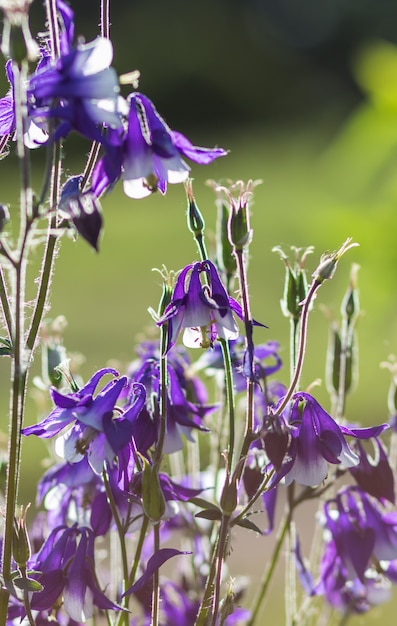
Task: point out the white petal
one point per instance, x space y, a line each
100 56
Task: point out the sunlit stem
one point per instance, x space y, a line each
156 580
138 552
123 619
163 398
248 323
20 359
302 347
267 577
229 397
210 602
294 336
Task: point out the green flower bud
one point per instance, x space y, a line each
225 257
328 262
295 285
334 356
350 308
20 541
195 220
152 496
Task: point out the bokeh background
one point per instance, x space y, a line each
304 95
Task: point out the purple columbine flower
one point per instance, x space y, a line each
317 440
149 155
66 564
359 533
34 135
81 89
203 309
94 430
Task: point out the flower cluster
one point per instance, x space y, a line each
161 459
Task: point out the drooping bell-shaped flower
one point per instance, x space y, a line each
201 308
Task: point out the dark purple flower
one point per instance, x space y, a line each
200 306
66 564
317 440
94 431
374 475
83 210
183 416
81 89
149 155
358 534
34 135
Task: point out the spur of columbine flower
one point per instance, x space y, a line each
148 155
201 307
95 431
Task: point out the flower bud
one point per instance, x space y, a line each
225 257
295 285
195 219
152 496
20 541
239 231
328 262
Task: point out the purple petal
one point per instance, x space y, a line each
196 154
153 564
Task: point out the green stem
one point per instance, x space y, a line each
208 599
20 357
156 580
302 346
267 577
138 552
5 304
123 547
163 398
49 254
229 397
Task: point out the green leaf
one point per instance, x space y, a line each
211 514
244 522
28 584
203 504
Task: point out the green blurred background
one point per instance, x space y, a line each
304 95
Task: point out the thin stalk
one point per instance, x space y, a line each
122 542
163 398
268 574
294 336
220 558
49 254
302 346
20 358
207 601
229 397
156 580
248 323
53 27
138 552
5 304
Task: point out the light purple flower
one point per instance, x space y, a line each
317 440
80 89
149 155
202 308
